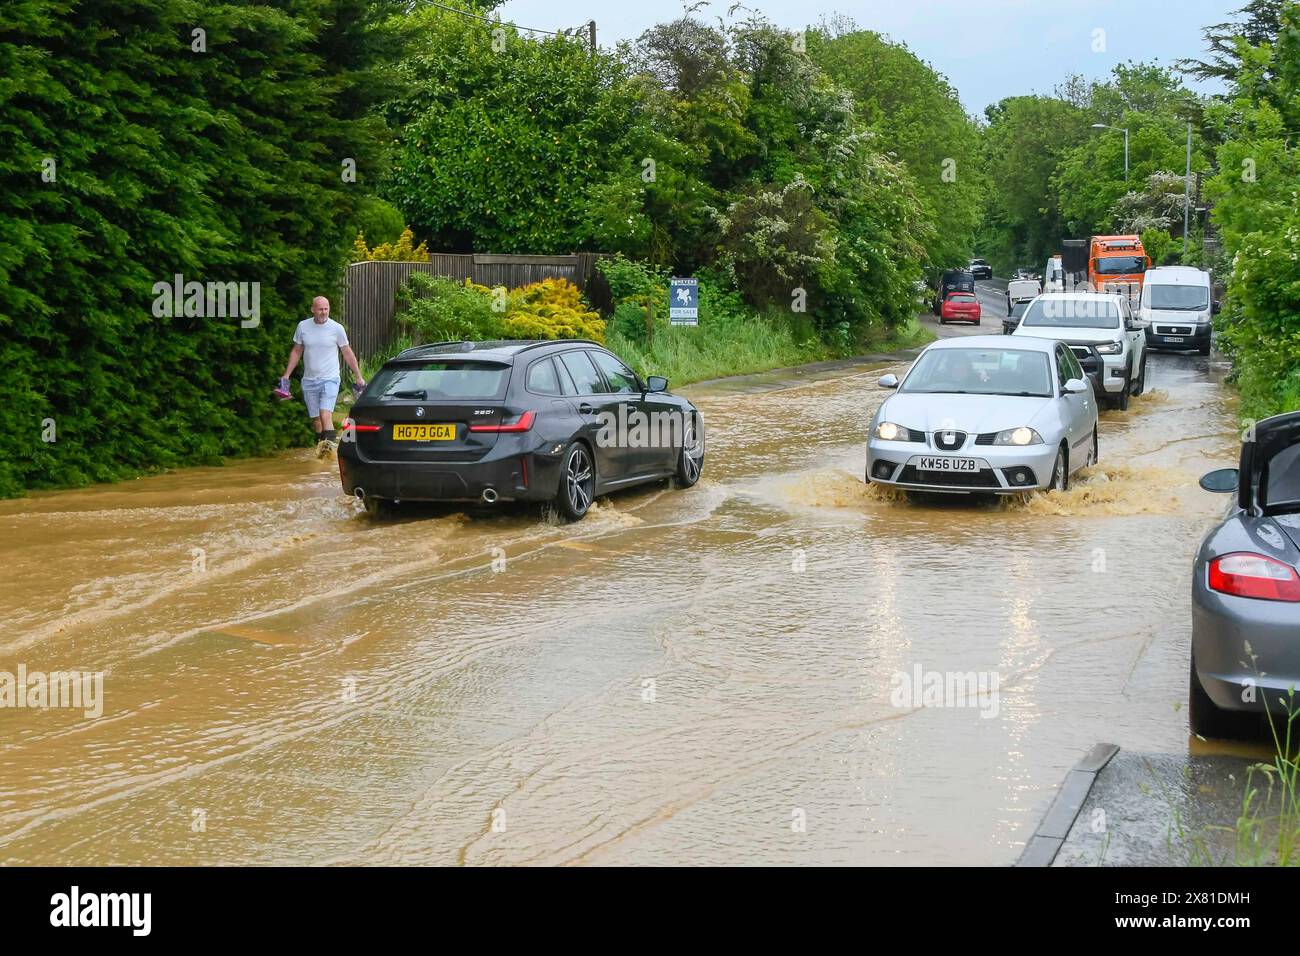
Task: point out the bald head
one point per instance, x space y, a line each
320 309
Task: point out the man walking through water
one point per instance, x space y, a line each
318 341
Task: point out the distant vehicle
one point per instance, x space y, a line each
981 269
1074 263
984 413
1053 275
1022 290
1176 307
1246 589
1026 272
960 307
1105 337
952 280
1117 264
514 421
1012 320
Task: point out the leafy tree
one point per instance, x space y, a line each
500 137
134 150
1255 209
1260 22
917 118
1024 142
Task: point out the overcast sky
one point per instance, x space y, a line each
988 49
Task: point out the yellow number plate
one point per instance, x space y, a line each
424 432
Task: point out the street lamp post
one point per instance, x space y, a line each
1124 130
1187 191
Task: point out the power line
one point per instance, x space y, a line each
483 19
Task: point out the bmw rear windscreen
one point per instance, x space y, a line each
440 380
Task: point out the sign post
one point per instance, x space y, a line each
684 301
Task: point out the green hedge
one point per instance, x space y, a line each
222 166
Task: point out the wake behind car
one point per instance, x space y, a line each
985 413
1108 341
1246 588
546 421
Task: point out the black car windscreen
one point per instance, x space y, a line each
440 380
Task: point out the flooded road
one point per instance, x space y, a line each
698 676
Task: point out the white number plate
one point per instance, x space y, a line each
948 464
1174 338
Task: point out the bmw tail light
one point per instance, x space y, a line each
351 425
520 424
1254 576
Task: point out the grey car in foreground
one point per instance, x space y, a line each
985 413
1246 588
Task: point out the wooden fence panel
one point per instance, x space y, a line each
370 301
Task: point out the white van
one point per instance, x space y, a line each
1021 290
1053 275
1176 306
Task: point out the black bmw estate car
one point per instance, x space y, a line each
546 421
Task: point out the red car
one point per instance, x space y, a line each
960 307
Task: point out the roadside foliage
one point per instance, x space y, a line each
135 150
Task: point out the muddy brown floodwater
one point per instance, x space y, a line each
685 676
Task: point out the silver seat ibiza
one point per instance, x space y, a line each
1246 588
985 414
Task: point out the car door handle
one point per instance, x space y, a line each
585 408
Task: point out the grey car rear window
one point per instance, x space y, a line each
1284 478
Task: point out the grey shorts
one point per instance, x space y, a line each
320 394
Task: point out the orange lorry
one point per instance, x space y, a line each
1117 264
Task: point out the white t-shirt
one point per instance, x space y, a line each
320 347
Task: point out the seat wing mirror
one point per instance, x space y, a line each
1076 386
888 381
656 383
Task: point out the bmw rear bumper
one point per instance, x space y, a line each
1002 469
1222 626
515 470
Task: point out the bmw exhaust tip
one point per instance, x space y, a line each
489 496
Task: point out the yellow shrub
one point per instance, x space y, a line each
399 251
552 309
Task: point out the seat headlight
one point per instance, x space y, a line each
1110 348
1018 436
888 431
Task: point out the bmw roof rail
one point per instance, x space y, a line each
538 344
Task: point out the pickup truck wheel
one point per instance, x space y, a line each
1140 385
1121 400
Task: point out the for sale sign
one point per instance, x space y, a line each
684 301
